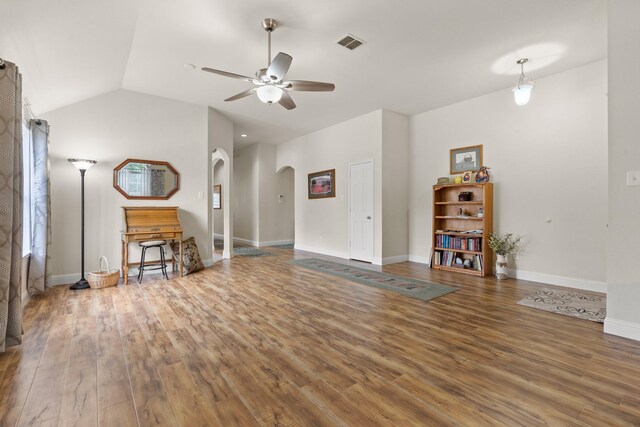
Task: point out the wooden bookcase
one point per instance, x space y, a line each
449 241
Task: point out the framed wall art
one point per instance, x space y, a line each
465 159
322 185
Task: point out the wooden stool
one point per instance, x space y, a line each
163 265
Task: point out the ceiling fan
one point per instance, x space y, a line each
270 84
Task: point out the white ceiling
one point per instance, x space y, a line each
419 54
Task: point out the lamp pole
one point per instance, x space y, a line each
82 165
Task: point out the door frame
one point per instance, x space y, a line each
373 201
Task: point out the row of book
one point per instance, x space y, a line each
461 243
452 259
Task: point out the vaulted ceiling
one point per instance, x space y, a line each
419 54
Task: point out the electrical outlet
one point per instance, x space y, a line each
633 177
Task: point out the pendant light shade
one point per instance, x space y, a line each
522 92
269 94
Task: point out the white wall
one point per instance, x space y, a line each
260 218
395 186
321 225
276 220
547 159
246 202
623 297
111 128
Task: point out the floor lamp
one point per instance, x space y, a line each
82 165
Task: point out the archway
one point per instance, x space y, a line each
221 175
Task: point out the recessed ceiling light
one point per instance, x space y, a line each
244 135
189 66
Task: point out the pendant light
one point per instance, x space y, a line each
522 92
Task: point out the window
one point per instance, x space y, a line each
26 201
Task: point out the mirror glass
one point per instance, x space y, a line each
146 179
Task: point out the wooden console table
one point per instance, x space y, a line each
145 223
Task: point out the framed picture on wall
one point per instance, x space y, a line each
322 184
465 159
217 197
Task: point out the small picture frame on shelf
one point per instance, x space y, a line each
465 159
466 177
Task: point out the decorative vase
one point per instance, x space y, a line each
501 267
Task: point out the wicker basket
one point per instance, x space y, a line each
103 278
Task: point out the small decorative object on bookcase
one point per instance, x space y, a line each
444 180
465 196
467 176
483 175
457 180
480 212
503 245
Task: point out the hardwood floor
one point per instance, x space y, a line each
258 341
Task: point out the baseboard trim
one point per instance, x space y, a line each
67 279
547 279
622 328
245 241
418 259
64 279
395 259
320 251
550 279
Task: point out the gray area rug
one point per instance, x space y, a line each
249 251
569 303
285 246
412 288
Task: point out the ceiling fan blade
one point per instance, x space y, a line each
286 101
242 94
304 85
227 74
279 67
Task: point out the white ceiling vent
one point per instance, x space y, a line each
350 41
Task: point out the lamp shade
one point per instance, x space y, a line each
522 93
82 164
269 94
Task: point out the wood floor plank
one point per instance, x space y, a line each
190 407
260 341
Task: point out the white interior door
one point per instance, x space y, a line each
361 211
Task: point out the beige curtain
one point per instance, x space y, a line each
10 206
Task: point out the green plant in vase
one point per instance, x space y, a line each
503 245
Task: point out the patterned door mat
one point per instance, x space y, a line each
418 289
569 303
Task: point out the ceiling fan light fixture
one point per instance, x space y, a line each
522 92
269 94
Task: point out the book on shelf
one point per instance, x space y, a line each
473 244
453 259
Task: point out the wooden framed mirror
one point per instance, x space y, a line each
217 197
146 179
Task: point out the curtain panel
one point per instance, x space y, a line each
39 275
10 206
